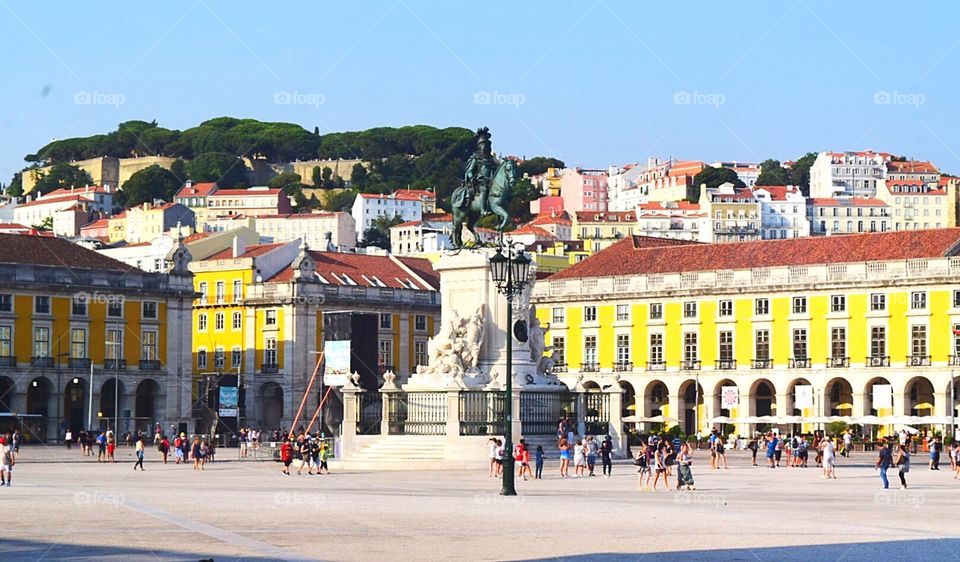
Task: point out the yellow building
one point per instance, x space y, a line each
862 323
148 221
72 320
260 314
598 230
915 204
734 213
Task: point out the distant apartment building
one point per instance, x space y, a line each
367 207
91 200
549 182
583 190
148 221
623 193
668 180
599 230
194 196
557 223
912 170
783 212
916 204
321 231
426 236
847 215
678 220
734 213
253 202
848 174
747 172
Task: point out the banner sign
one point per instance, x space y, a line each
803 396
229 401
882 396
729 397
336 357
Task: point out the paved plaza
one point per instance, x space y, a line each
63 508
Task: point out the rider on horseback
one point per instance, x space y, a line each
480 169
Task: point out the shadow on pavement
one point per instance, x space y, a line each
19 549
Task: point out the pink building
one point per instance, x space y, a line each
583 190
547 204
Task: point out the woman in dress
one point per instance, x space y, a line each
579 459
829 458
684 474
660 469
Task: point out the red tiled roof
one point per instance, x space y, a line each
625 258
605 216
332 266
551 218
196 236
197 190
913 183
845 202
54 252
418 194
437 217
406 224
911 167
76 191
249 252
777 192
535 230
423 268
99 223
682 205
58 199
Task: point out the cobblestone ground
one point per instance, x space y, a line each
63 507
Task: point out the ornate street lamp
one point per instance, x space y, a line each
510 276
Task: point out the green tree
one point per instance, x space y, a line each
519 205
339 201
800 172
153 182
359 176
288 181
179 169
46 224
61 176
15 189
712 177
379 232
772 173
225 169
317 176
538 165
326 175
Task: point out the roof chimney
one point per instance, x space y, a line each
239 247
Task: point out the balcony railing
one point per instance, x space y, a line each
762 364
690 365
78 363
878 361
269 369
41 362
725 364
115 364
559 368
621 366
918 360
838 362
149 365
656 366
589 367
8 361
800 363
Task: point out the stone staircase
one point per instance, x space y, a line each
398 452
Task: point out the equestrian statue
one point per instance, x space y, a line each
487 186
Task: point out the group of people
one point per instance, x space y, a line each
658 455
521 457
584 453
306 450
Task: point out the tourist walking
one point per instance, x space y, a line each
68 439
884 460
903 464
101 447
644 460
539 460
7 460
197 453
579 459
592 449
564 457
721 453
492 452
138 448
606 456
111 446
771 449
164 447
684 474
286 456
935 454
660 469
829 458
753 446
523 459
847 443
324 455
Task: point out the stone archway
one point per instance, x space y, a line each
764 396
111 401
75 404
691 411
920 397
870 400
147 403
838 397
7 394
270 398
628 399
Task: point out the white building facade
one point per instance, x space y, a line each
783 212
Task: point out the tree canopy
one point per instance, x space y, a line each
772 173
61 176
153 182
800 172
712 177
538 165
224 168
379 232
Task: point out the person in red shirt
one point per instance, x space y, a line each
286 455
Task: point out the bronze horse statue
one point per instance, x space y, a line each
501 188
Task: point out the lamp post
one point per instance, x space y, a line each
510 276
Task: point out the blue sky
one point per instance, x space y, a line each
593 83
